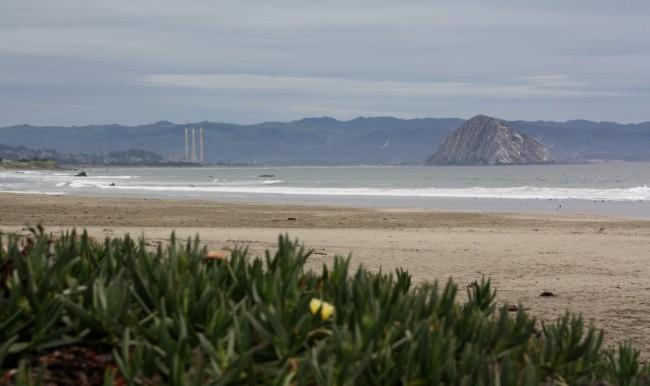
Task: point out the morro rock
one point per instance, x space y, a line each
488 141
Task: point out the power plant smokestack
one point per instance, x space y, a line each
193 145
187 146
201 148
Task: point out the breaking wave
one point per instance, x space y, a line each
639 193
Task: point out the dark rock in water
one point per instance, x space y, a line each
112 184
488 141
81 174
547 294
266 175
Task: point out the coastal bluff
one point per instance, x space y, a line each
484 140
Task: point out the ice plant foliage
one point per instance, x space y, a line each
175 315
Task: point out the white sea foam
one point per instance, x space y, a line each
86 184
640 193
112 177
243 183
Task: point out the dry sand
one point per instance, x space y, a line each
596 266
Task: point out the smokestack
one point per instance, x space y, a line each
187 146
193 146
201 148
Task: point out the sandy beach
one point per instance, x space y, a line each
597 266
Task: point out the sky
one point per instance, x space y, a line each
76 62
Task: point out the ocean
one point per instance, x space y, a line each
620 189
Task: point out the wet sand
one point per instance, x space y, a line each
597 266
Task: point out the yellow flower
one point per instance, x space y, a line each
326 309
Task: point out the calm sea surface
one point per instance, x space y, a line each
607 188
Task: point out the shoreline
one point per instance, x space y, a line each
33 207
624 210
595 265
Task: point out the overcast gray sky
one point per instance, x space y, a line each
74 62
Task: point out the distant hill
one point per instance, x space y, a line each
488 141
379 140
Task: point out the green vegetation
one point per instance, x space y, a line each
21 157
123 313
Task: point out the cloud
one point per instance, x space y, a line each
535 86
345 113
145 60
553 81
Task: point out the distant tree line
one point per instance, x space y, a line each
121 157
